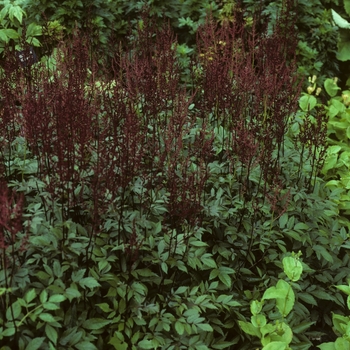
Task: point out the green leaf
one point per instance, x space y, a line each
308 298
179 327
43 296
95 323
320 250
145 344
8 332
327 346
44 316
72 293
340 21
307 102
15 309
181 290
57 298
78 275
302 327
104 307
51 333
276 345
30 295
16 11
331 87
33 30
89 282
34 344
286 304
249 329
344 289
283 220
12 34
85 345
292 268
205 327
225 279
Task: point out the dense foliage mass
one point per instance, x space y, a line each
171 192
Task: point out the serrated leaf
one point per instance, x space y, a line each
307 298
225 279
85 345
12 34
51 333
145 344
35 344
57 298
205 327
30 295
95 323
44 316
89 282
72 293
179 327
15 309
43 296
8 332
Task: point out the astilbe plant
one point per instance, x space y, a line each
113 145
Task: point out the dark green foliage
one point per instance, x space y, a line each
148 216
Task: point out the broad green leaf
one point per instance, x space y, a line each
145 344
225 279
342 344
205 327
327 346
344 289
78 275
72 293
286 304
51 333
181 290
256 307
86 345
331 87
307 102
340 21
46 317
276 345
15 309
3 37
89 282
30 295
95 323
283 220
12 34
179 327
17 12
43 296
33 30
249 329
34 344
292 268
258 320
57 298
104 307
8 332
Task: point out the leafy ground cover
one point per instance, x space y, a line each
143 210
